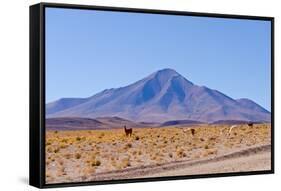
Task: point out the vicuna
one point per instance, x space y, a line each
128 131
250 124
193 132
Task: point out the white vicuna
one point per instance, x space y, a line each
232 127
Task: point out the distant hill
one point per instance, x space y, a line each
162 96
230 122
76 123
63 104
73 123
117 122
182 122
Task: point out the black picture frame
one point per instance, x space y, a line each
37 93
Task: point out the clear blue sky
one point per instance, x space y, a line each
88 51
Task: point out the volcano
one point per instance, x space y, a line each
164 95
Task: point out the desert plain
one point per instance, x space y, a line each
95 155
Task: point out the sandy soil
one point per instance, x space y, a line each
256 161
252 159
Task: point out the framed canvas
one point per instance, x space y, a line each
123 95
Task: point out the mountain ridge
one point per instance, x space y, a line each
162 96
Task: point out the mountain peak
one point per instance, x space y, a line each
167 72
170 70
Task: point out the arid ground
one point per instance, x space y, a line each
92 155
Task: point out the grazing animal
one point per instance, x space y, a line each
250 124
128 131
193 132
233 126
185 130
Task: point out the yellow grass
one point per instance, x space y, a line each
72 154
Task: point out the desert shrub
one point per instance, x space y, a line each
48 175
212 151
60 162
101 135
154 157
171 155
49 149
78 138
63 146
206 147
96 163
137 138
181 153
64 140
128 145
56 150
126 162
77 155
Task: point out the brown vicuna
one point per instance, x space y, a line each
193 132
128 131
250 124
